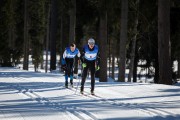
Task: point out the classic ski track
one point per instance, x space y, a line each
76 111
150 111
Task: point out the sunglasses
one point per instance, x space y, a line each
92 44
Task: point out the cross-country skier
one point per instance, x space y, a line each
68 62
90 60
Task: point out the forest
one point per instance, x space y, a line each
127 33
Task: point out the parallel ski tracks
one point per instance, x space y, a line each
153 111
30 93
80 113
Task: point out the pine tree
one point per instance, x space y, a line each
8 32
103 40
48 6
37 30
134 39
123 39
26 39
164 46
53 34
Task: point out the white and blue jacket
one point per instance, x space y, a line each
90 55
69 54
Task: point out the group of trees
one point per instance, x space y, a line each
130 31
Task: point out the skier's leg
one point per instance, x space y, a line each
71 79
67 74
92 78
66 78
84 75
71 74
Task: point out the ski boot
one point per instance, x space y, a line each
92 92
66 84
82 90
71 82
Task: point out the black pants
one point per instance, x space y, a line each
69 70
90 66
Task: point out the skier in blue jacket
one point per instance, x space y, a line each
68 62
90 60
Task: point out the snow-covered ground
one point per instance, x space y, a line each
41 96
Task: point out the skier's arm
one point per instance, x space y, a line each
97 62
63 61
82 56
79 55
64 54
98 59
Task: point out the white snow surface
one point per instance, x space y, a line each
28 95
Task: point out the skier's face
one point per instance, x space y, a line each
91 46
72 48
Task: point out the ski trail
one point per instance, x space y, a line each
30 93
41 92
141 106
151 111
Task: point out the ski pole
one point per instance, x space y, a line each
78 81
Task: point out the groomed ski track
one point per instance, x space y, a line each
39 96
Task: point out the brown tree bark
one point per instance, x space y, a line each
53 33
103 48
135 32
47 36
123 39
26 40
164 45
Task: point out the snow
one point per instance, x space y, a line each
26 95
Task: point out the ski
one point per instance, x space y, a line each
89 94
95 95
83 94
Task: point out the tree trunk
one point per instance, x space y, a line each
72 22
42 62
53 33
164 46
109 57
61 37
103 47
11 29
47 36
178 76
113 62
123 39
156 77
26 41
135 65
135 32
61 41
72 30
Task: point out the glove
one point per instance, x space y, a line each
97 68
84 65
